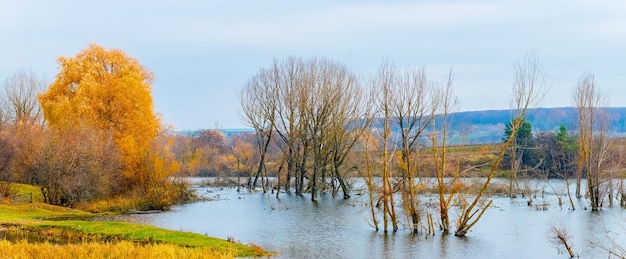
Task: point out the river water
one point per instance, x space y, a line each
295 227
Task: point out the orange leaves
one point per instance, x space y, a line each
102 88
108 91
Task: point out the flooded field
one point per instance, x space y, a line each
338 228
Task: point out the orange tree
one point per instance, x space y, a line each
110 92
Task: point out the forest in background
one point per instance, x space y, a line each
486 126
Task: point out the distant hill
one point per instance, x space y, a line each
488 126
481 127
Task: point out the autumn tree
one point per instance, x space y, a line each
202 152
110 92
210 148
185 154
244 154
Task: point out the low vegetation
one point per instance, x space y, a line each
130 239
123 249
80 235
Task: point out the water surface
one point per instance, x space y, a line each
337 228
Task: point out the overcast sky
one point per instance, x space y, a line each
202 52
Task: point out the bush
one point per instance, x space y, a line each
6 191
162 196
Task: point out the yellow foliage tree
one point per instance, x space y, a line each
109 91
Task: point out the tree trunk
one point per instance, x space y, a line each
567 246
302 167
262 161
290 170
313 184
579 174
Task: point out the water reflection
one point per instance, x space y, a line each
338 228
19 235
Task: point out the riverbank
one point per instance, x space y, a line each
98 237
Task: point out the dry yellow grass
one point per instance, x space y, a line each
123 249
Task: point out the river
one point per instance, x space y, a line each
295 227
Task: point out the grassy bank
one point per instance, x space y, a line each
130 240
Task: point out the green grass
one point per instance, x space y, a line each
26 213
37 217
25 189
142 233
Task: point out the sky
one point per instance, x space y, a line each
202 52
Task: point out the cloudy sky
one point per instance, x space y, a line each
203 51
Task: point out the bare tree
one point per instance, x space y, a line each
593 139
559 236
312 109
413 111
349 121
439 138
74 165
382 84
20 120
21 91
258 100
288 119
329 109
8 150
528 75
369 179
524 95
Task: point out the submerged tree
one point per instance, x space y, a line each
559 236
593 138
413 111
439 139
313 110
527 92
405 106
382 84
259 100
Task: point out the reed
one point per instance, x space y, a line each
123 249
